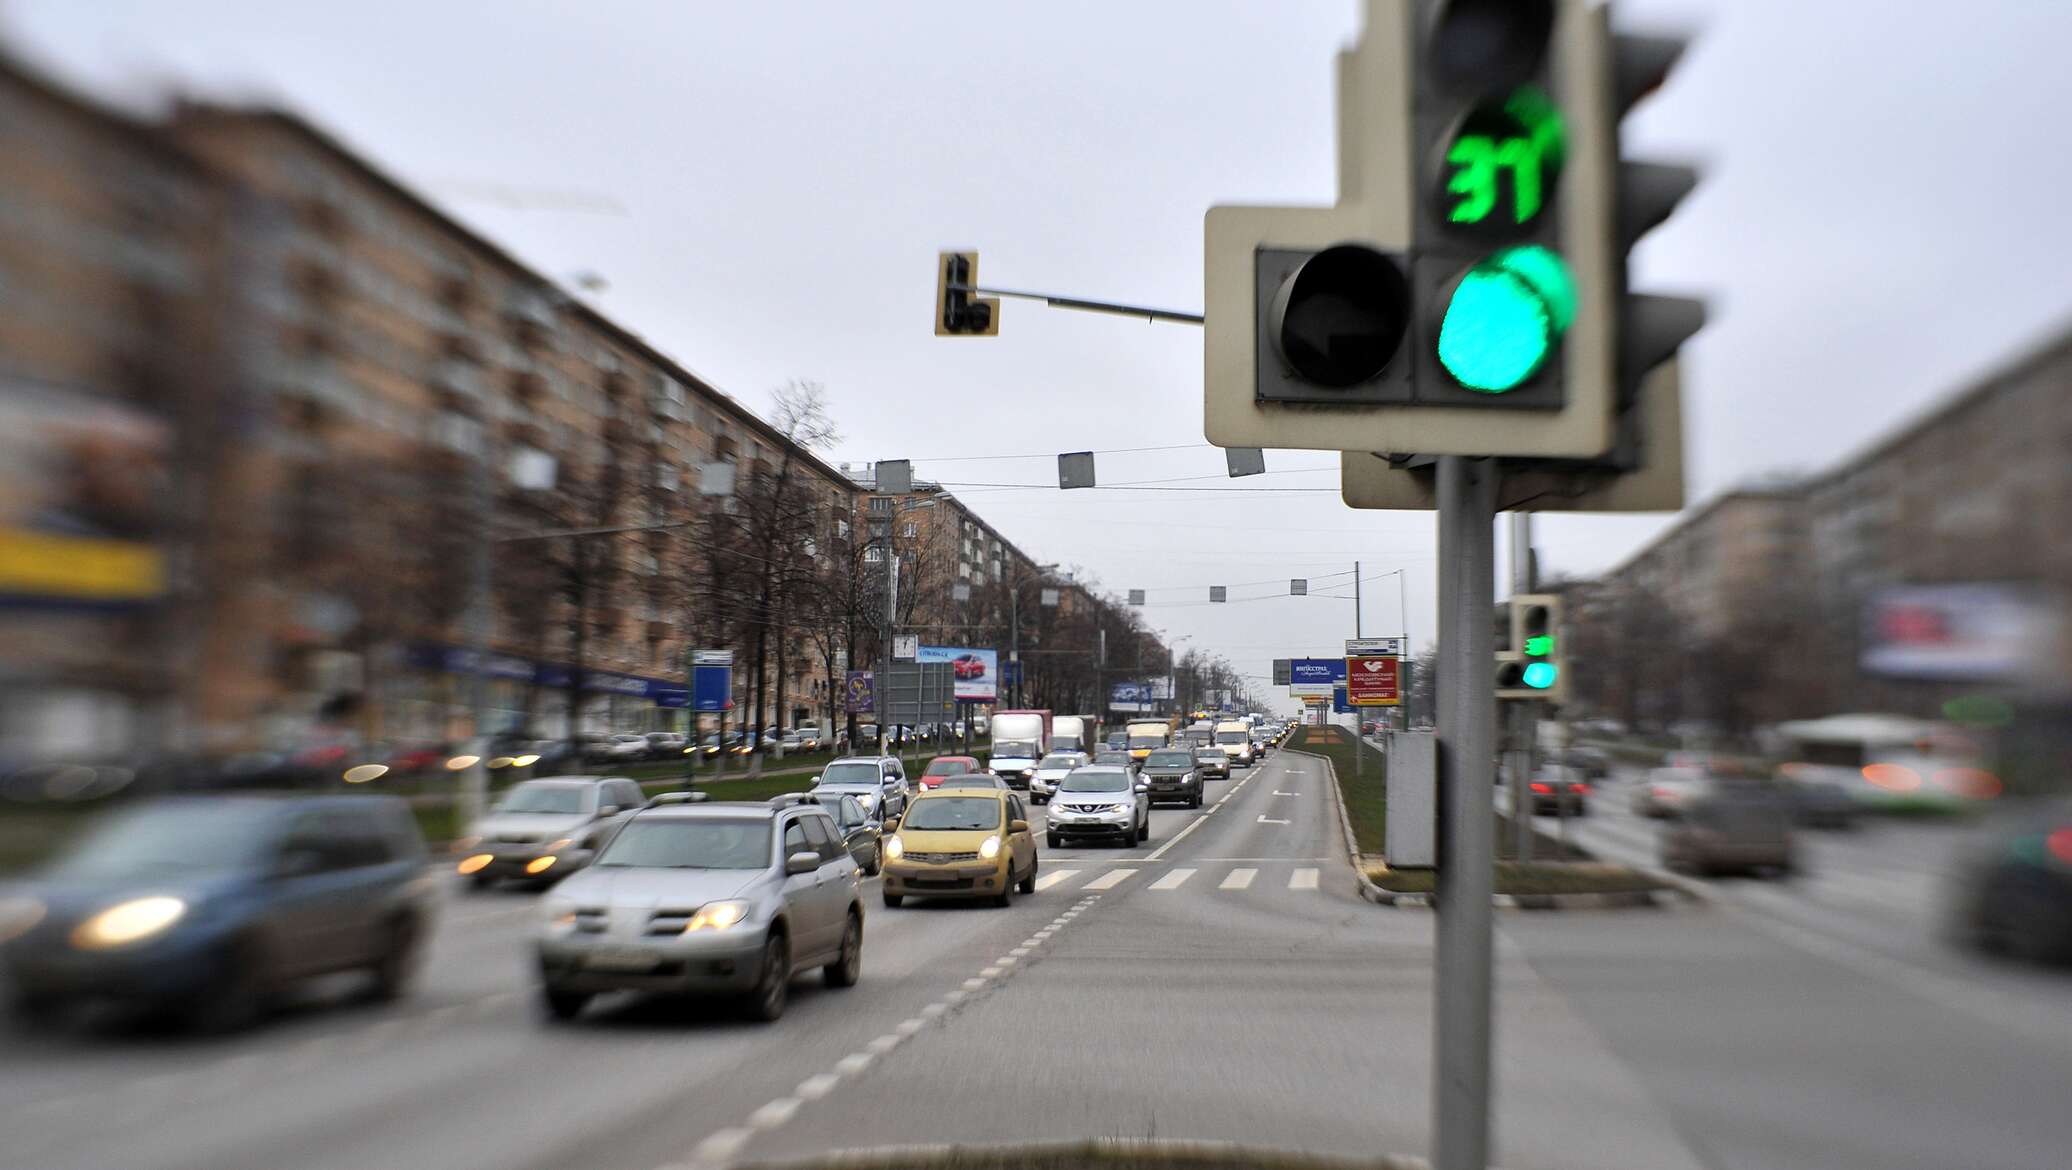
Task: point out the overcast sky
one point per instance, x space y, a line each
765 186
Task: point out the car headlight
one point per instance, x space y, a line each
989 848
1116 808
1028 772
716 916
894 848
128 922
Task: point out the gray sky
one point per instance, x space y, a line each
1878 222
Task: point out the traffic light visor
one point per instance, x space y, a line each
1490 44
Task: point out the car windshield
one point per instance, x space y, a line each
689 843
947 768
870 785
547 798
1209 755
1143 742
1169 760
852 773
168 840
1230 737
1098 780
1059 761
953 812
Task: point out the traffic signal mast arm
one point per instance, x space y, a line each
1059 302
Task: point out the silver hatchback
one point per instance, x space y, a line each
707 898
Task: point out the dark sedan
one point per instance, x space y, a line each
2013 886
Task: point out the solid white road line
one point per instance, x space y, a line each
1110 880
1053 877
1303 879
1278 792
1173 879
1266 820
1240 878
1176 838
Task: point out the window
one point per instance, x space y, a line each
795 840
910 530
881 504
821 832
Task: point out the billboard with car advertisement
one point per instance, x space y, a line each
977 671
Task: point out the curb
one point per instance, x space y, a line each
1094 1152
1678 893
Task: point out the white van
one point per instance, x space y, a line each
1236 741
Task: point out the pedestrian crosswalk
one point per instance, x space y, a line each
1234 878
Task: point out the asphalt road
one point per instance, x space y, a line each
1221 981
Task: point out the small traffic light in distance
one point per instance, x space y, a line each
958 311
1532 667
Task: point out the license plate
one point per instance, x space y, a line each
622 959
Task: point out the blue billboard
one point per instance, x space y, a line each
1315 677
977 672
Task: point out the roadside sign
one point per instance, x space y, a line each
906 647
1313 678
712 658
1374 681
1280 672
1364 647
857 695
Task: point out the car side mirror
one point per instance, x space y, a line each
296 863
1018 826
801 863
608 810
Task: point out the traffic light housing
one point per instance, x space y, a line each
958 312
1532 666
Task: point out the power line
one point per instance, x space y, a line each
1054 454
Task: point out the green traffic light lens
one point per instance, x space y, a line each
1541 675
1504 318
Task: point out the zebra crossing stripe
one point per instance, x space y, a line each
1173 880
1303 879
1109 880
1053 877
1239 879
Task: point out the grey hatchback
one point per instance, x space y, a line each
719 897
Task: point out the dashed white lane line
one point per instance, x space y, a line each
935 1009
815 1087
1007 960
1239 879
884 1044
911 1025
774 1114
1112 878
1303 879
1055 876
990 972
1173 879
974 984
1019 951
856 1062
721 1146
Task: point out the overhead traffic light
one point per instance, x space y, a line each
959 313
1531 666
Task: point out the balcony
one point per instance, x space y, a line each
531 315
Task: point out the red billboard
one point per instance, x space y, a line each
1372 682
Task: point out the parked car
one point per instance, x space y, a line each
665 745
2012 885
943 767
204 906
1051 769
1171 774
1213 762
962 842
1558 790
623 748
543 830
731 898
1104 802
1742 828
878 782
1666 791
714 743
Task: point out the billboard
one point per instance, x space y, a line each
1979 631
857 697
1314 678
1374 682
977 671
1131 697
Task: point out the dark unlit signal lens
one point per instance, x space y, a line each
1340 317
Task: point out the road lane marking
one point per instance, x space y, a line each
1239 879
774 1114
1176 838
1054 877
973 984
722 1146
1173 879
1266 820
911 1025
935 1009
884 1044
1303 879
1110 880
1008 960
815 1087
988 973
856 1062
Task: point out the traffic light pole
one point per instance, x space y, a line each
1467 830
1519 716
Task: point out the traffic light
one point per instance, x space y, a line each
1495 293
958 313
1531 665
1556 328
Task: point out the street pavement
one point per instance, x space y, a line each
1221 981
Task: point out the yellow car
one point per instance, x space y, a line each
961 842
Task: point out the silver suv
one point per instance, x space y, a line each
543 830
879 783
1100 802
704 898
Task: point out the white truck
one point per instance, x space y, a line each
1020 739
1072 733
